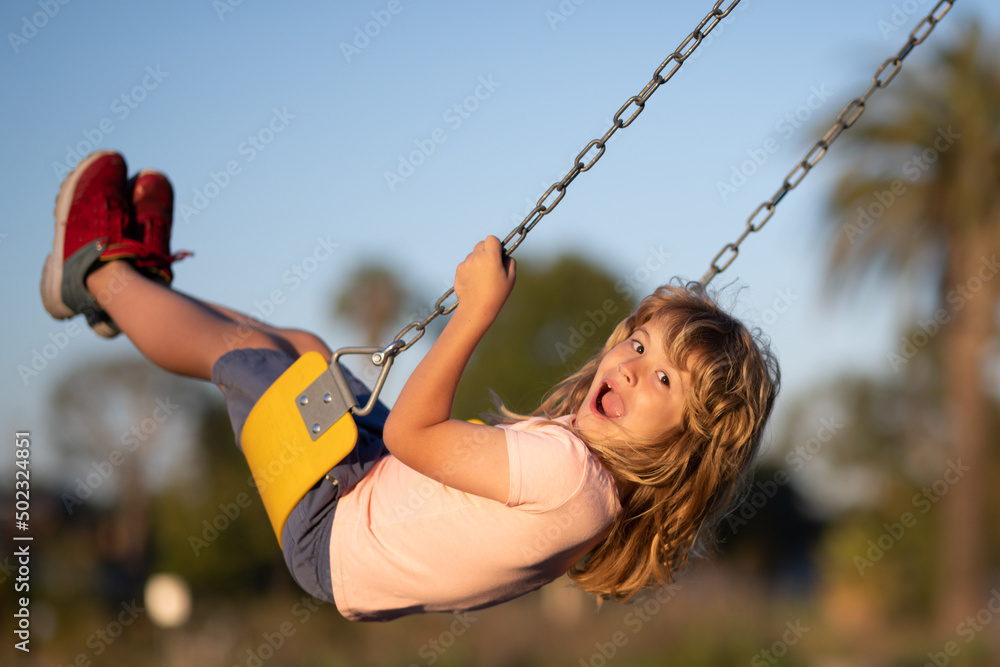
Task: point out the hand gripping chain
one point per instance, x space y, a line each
624 117
294 436
584 161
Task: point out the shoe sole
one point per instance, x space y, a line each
52 271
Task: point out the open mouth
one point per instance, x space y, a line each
608 403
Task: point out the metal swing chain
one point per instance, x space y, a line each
847 117
592 152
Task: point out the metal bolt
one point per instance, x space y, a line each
327 398
316 428
303 400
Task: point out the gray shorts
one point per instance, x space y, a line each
244 376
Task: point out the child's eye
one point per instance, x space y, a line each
637 346
664 378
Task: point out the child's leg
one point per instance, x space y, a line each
180 333
101 219
301 341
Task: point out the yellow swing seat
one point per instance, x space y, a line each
303 426
287 456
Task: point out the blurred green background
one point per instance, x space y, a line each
870 535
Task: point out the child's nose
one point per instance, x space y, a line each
627 372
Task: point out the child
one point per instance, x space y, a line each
615 477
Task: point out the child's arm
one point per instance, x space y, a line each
419 430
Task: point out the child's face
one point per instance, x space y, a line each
636 388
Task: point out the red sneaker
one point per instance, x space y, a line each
153 213
92 225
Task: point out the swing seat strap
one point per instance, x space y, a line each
297 432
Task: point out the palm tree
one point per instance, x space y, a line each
922 198
373 298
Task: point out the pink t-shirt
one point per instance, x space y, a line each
403 543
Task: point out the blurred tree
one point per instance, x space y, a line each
108 421
866 455
922 193
373 298
861 450
212 528
558 316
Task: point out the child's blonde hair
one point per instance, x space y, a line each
673 490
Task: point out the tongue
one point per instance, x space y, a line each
612 405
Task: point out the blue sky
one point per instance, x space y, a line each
306 138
